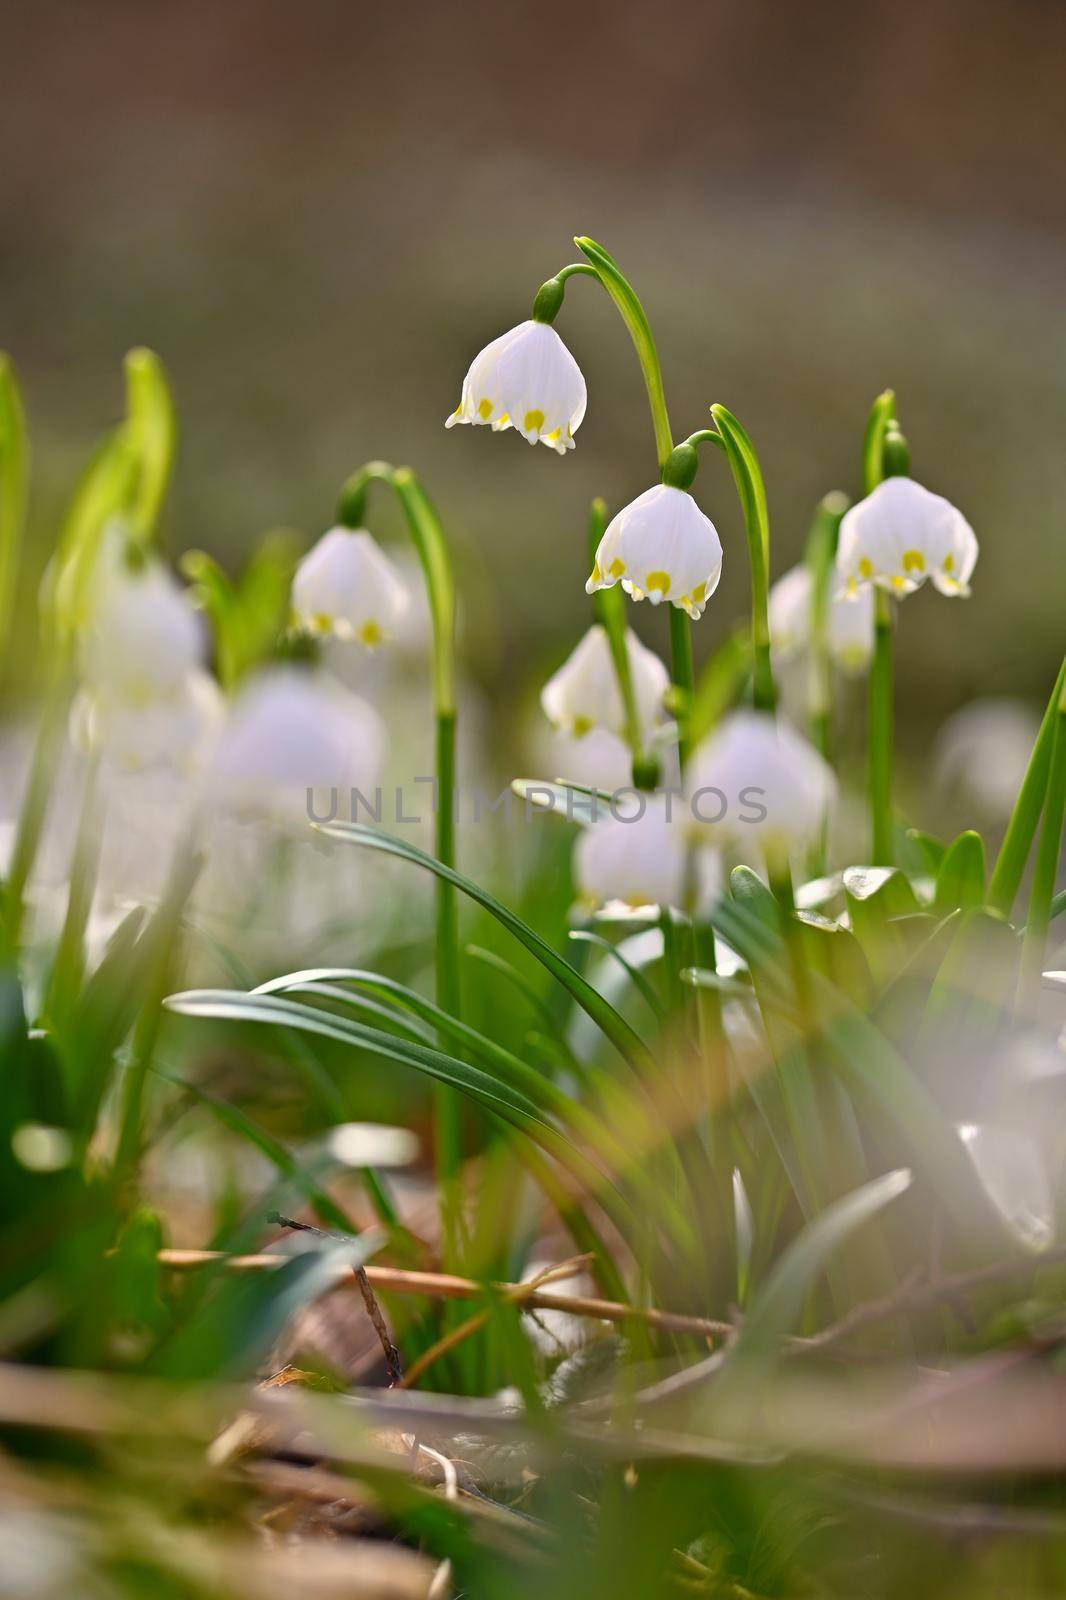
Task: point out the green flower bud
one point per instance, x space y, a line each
680 467
548 299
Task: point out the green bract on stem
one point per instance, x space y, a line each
431 545
884 455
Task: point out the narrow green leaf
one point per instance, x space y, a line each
779 1304
614 1026
960 878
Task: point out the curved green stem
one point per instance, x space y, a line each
635 318
431 545
751 491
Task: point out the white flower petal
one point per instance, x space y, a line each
142 635
347 586
526 379
584 693
292 730
661 547
637 856
902 534
755 780
175 732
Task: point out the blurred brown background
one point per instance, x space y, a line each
317 213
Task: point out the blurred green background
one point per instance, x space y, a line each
318 213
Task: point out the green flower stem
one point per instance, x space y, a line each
68 968
431 544
1017 841
821 549
881 734
635 318
751 491
609 610
163 936
34 810
14 478
1046 868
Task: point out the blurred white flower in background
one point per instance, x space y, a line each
636 856
755 780
289 730
347 586
598 760
176 730
584 694
849 621
902 534
1011 1168
982 751
141 636
660 547
526 379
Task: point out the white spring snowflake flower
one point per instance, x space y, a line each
634 856
526 379
849 619
661 547
142 635
756 781
347 586
902 534
291 730
176 731
584 693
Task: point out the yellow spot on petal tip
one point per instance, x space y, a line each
913 561
617 568
581 726
866 568
484 409
370 634
657 581
534 421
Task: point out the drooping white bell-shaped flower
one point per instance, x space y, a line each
756 781
635 855
291 730
584 693
849 619
526 379
175 731
902 534
347 586
141 636
660 547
